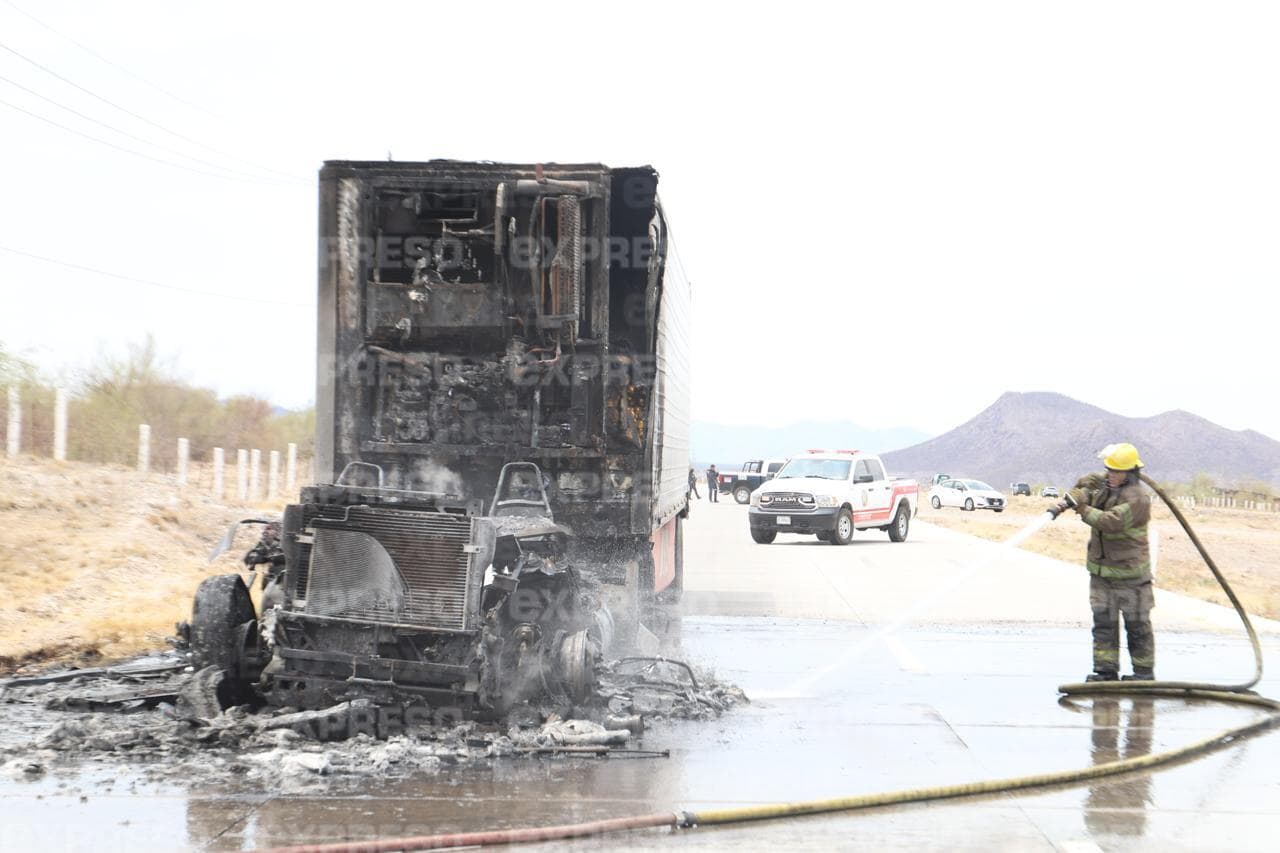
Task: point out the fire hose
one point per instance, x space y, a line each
1241 694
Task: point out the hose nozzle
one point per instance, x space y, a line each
1068 502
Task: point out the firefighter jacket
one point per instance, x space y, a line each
1118 546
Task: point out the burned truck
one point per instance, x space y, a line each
502 443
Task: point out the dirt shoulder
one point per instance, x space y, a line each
1245 545
97 563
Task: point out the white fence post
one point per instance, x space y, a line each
60 425
219 460
144 448
242 475
184 449
255 464
13 438
291 469
273 474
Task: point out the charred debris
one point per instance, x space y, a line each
158 714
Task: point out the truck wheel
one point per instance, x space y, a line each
843 532
221 606
763 537
901 524
742 494
937 504
968 504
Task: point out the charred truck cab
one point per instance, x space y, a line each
484 329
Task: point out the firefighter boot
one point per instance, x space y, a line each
1140 675
1102 675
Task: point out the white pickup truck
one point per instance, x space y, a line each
832 493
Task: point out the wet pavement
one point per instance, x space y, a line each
840 706
948 706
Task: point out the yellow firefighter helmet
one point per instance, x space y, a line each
1121 457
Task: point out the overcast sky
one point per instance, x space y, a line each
890 213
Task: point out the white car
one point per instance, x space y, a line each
966 494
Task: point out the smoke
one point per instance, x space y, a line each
429 476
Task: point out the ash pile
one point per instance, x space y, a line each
167 721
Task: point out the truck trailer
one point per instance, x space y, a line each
502 443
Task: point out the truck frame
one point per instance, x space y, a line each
483 328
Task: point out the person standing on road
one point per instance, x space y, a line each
713 484
1119 563
693 484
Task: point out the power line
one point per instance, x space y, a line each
148 282
114 65
112 128
110 144
142 118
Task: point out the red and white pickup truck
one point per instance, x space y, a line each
832 493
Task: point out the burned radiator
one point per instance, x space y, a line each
566 265
388 565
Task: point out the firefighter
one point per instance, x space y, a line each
1117 508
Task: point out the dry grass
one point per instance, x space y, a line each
98 562
1244 544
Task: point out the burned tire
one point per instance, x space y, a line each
222 605
742 494
205 695
900 525
763 537
843 532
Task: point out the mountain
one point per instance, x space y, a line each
729 445
1041 437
